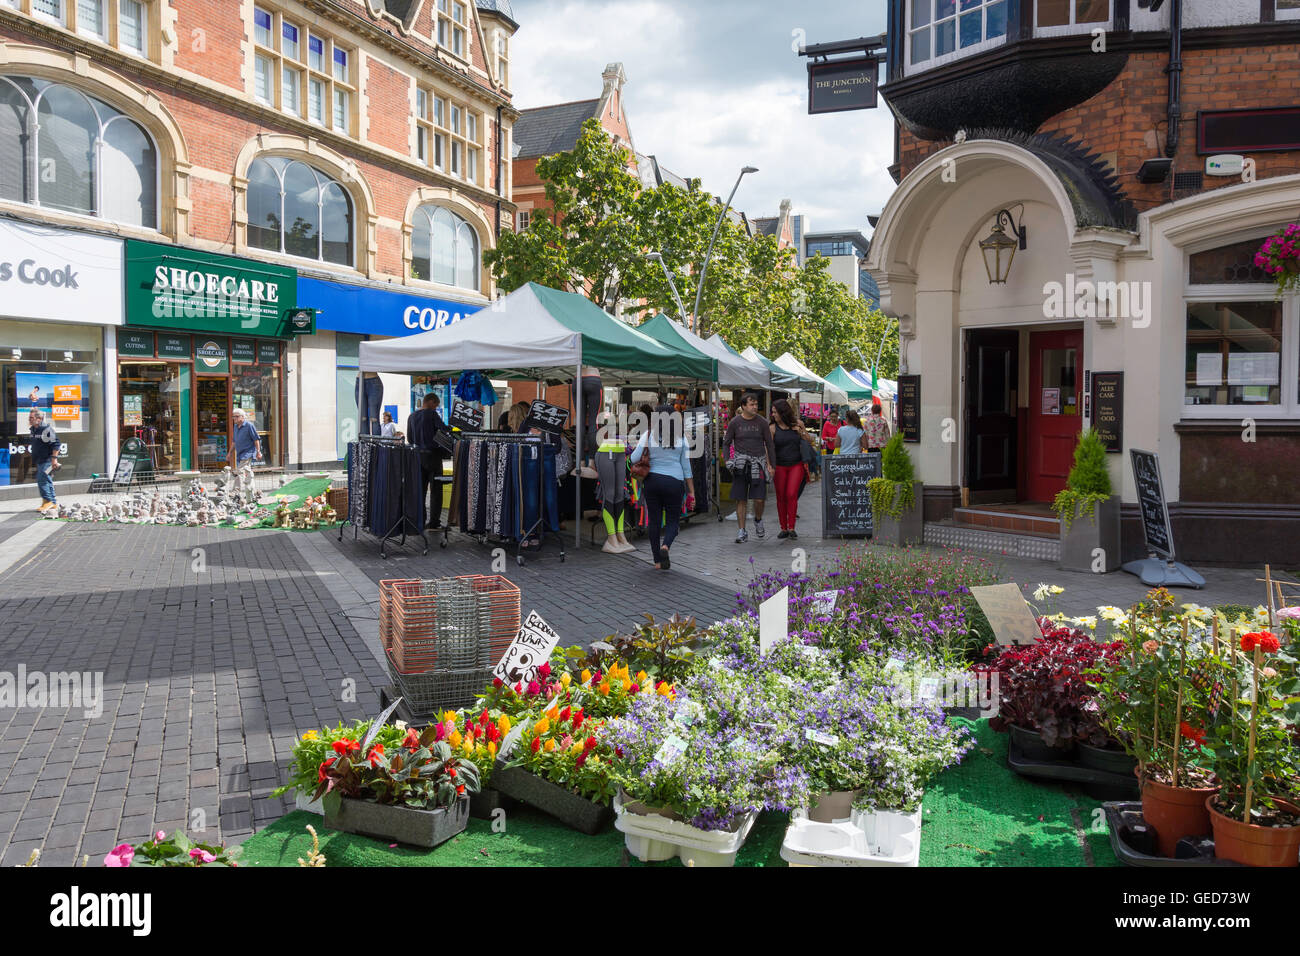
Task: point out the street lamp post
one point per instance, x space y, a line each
699 292
681 312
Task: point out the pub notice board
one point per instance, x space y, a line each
846 500
1108 409
909 407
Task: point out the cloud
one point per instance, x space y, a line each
714 85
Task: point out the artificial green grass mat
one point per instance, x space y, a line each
979 813
302 488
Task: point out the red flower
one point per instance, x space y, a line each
534 688
498 683
440 731
566 714
582 758
1195 734
451 772
536 744
1265 641
344 747
412 740
320 772
460 790
519 687
595 678
590 744
577 719
376 752
544 670
483 717
634 689
618 751
493 733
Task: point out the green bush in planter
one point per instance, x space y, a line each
1089 480
893 491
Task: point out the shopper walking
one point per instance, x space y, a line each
422 429
877 429
788 437
750 437
45 456
669 479
850 434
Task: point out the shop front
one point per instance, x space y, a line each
205 335
348 314
60 302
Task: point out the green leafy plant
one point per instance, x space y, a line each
174 850
422 773
895 490
316 746
662 649
1088 483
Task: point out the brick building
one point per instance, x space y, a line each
349 155
1143 150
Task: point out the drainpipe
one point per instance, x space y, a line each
1175 71
501 165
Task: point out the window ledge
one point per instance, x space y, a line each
1220 426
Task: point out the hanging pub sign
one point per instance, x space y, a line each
909 407
464 416
1108 409
841 85
546 417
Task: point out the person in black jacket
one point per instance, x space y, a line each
421 428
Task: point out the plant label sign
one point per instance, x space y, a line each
817 737
530 649
689 713
895 663
824 603
671 749
774 620
1008 614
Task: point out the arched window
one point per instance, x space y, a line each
444 248
66 150
296 209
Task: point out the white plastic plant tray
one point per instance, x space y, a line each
650 838
842 844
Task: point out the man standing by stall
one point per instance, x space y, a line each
422 428
751 437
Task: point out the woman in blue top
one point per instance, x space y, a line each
850 435
669 479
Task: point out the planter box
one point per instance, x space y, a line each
1032 746
1087 533
835 807
907 528
887 831
578 812
808 843
486 802
655 835
424 828
1066 767
303 802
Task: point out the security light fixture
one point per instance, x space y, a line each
1155 170
999 248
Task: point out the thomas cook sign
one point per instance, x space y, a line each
842 85
198 291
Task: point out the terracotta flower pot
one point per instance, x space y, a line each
1174 812
1252 844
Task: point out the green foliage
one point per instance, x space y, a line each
896 461
316 746
1089 481
895 492
179 850
421 773
663 649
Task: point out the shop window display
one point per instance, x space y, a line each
155 399
1234 352
257 391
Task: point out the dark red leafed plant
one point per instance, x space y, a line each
1049 686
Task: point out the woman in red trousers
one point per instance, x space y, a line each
788 435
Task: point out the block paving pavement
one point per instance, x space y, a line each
212 667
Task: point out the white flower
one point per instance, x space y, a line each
1086 622
1040 592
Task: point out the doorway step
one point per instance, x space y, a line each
1029 530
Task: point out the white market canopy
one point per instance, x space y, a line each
733 371
834 394
539 333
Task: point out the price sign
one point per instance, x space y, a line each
465 416
824 603
530 649
546 417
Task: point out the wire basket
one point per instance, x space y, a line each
444 625
502 598
429 693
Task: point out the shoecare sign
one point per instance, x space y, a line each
60 276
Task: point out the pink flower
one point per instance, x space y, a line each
120 855
203 856
160 836
1289 613
534 688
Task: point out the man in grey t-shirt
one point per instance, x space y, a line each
751 437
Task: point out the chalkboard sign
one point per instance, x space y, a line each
846 500
464 416
1108 409
909 407
546 418
1151 500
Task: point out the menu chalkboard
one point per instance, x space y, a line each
1108 409
1151 500
846 500
909 407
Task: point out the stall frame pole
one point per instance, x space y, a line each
577 485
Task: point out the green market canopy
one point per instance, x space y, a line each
854 389
540 333
733 371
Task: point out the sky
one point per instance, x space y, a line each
714 85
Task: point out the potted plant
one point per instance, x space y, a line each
1091 545
316 746
478 737
896 518
416 793
1146 698
1254 815
1279 257
1046 690
176 850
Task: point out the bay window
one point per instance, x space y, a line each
941 30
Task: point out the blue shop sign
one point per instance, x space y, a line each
366 311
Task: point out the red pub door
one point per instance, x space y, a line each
1055 410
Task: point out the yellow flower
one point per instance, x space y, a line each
553 713
456 738
627 684
550 745
311 735
594 761
542 726
586 675
576 748
641 677
664 690
604 688
566 678
468 748
492 748
504 724
449 716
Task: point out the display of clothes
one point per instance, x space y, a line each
384 488
502 485
475 387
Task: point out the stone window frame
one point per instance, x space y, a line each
441 129
461 207
306 74
110 33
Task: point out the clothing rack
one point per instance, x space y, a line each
400 525
537 528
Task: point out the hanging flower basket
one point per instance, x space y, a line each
1279 257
